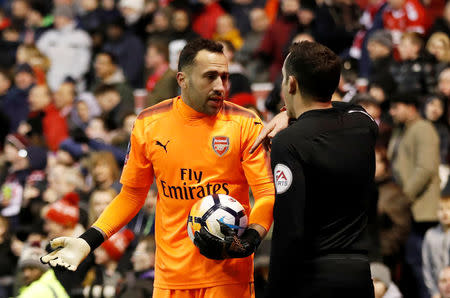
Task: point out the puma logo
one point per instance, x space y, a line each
257 122
164 146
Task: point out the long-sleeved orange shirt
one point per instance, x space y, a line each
192 155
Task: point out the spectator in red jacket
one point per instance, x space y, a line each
53 123
405 16
204 22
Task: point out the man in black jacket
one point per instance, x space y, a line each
323 166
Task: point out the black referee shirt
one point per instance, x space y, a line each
324 165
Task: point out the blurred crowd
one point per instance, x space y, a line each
74 74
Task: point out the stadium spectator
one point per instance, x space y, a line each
444 83
393 214
98 201
442 24
113 106
434 111
379 47
417 174
444 283
204 21
161 82
160 27
64 100
401 16
9 42
92 17
226 30
382 282
140 282
239 88
42 110
39 279
8 261
181 33
30 54
438 45
256 68
62 216
336 24
14 99
412 72
436 247
128 50
19 12
106 277
276 37
37 22
14 175
108 72
104 171
67 47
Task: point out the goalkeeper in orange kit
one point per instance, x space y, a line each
193 145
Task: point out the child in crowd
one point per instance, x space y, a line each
104 279
436 247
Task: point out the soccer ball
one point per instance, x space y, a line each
217 207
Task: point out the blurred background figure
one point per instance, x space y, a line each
382 283
139 282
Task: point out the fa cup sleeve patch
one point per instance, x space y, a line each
283 178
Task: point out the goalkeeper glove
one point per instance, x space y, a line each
231 246
69 252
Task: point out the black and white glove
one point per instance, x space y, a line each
231 246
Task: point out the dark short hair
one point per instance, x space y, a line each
316 68
105 88
112 56
191 49
161 47
408 98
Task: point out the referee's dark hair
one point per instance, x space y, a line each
316 68
190 51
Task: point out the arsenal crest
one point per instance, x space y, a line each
220 145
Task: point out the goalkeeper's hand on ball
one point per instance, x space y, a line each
232 246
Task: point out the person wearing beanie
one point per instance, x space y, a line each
382 283
61 219
69 152
39 280
132 10
62 216
30 265
384 38
68 48
379 47
107 257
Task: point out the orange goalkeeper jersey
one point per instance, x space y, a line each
192 155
